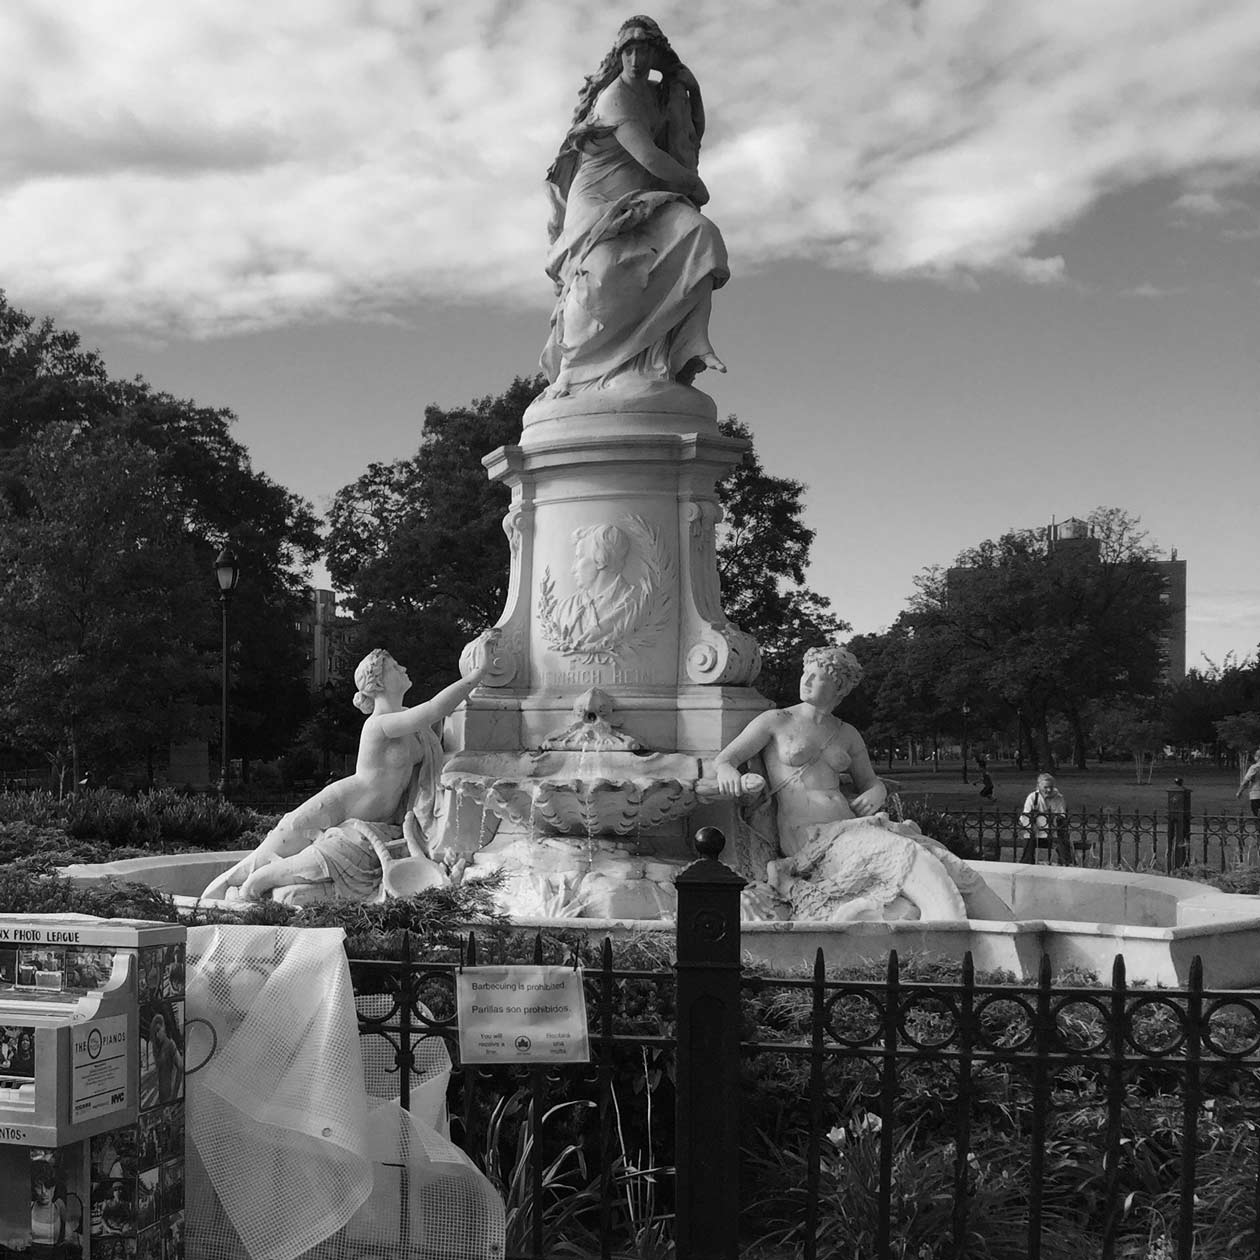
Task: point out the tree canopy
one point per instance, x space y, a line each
114 499
1226 692
100 640
419 549
1022 630
418 545
763 553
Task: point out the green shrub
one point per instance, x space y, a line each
37 808
922 1196
436 920
202 822
158 820
939 824
40 847
113 818
24 890
1242 880
161 820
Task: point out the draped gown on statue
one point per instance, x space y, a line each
634 267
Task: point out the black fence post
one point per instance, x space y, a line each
707 1115
1178 827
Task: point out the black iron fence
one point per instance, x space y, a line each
1042 1119
914 1112
583 1155
1112 838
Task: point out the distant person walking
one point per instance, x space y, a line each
1251 782
1043 821
986 779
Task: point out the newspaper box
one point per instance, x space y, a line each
91 1088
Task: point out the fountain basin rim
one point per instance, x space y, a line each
161 871
814 927
996 927
1225 930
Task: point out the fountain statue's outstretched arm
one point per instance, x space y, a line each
437 708
391 744
746 745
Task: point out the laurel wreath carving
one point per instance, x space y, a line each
652 602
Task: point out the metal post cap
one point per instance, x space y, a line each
710 842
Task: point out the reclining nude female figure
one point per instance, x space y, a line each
841 857
338 836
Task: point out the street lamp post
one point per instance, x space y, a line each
329 692
965 710
228 574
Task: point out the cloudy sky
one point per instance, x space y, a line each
993 263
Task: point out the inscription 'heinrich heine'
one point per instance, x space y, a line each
596 675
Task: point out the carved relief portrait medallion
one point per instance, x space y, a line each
621 593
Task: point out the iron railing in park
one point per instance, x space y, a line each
886 1114
1113 839
574 1151
1035 1119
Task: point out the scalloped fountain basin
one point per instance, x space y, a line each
1079 918
593 793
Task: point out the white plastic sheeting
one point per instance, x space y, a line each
290 1154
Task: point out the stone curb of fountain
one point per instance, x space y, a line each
1170 920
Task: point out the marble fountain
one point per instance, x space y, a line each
587 743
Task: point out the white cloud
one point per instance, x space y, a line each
1240 608
216 165
1210 203
1202 204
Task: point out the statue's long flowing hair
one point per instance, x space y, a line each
560 173
610 67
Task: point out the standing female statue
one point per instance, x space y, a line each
839 857
634 261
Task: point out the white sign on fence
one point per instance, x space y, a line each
522 1015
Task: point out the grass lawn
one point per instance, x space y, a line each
1106 785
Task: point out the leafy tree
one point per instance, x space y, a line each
418 546
45 378
762 553
1204 698
1190 708
1240 732
99 635
202 478
898 698
1042 629
1136 726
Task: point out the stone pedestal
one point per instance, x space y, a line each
614 580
